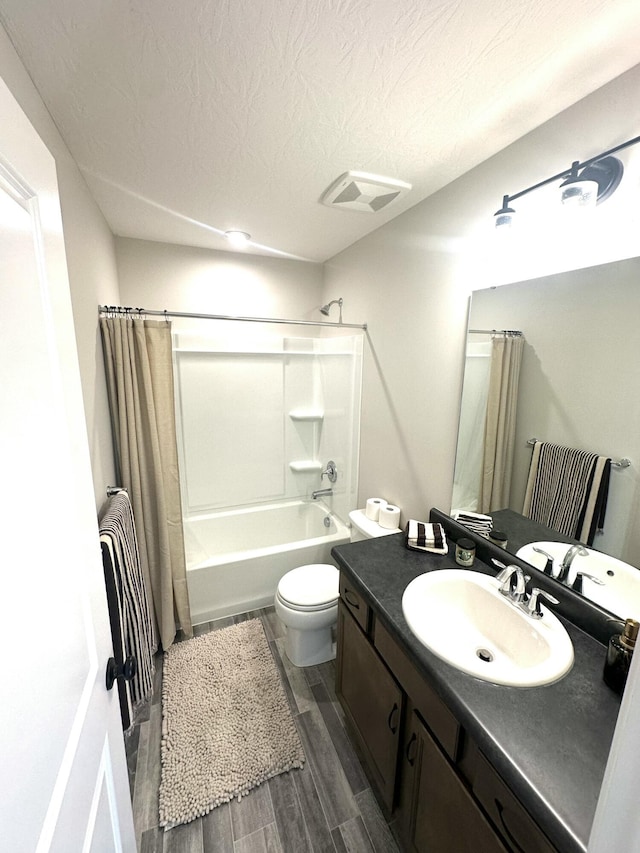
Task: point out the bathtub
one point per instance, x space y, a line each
236 558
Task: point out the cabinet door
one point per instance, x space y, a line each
444 816
372 701
517 827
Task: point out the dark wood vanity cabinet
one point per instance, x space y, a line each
372 701
444 795
437 811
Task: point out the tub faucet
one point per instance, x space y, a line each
565 565
321 493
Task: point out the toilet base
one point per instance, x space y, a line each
309 648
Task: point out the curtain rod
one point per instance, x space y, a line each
494 332
116 309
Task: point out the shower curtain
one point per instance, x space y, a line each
500 424
139 369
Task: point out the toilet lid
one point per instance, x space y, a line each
310 586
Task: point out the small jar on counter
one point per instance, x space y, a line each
498 538
465 552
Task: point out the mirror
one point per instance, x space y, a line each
578 387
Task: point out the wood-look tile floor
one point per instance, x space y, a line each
327 807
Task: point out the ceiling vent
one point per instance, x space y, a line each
364 192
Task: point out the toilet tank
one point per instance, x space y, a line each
363 528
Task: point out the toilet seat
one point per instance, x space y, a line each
311 588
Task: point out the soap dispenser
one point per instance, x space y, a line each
619 654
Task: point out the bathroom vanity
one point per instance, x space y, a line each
462 764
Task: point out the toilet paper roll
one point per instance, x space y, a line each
389 517
373 506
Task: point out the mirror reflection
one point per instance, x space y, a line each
572 378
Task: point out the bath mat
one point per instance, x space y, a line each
226 723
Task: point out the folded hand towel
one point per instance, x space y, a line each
426 537
480 524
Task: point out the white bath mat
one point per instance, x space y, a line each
226 723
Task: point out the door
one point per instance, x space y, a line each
372 700
444 815
64 783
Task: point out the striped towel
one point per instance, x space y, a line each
132 627
426 537
567 490
480 524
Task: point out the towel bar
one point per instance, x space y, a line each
113 490
625 462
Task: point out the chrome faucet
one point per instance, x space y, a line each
513 583
321 493
565 565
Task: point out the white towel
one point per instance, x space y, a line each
422 536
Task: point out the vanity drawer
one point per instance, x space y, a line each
355 604
510 818
431 708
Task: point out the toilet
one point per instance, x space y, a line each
306 601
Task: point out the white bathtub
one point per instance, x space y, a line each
236 558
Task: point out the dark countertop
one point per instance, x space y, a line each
550 744
521 531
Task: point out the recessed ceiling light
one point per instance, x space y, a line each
237 238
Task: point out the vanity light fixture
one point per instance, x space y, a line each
504 216
583 185
237 238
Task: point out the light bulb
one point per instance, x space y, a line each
237 238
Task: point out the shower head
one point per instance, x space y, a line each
326 308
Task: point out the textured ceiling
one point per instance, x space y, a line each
190 117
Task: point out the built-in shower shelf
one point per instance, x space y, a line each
306 415
305 466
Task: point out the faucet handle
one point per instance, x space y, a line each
330 471
548 568
505 571
577 584
533 602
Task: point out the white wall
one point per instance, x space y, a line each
162 276
410 281
90 261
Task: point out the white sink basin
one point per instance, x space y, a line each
462 618
620 592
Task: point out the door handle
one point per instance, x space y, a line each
412 740
510 838
393 726
353 604
126 671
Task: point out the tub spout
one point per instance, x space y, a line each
321 493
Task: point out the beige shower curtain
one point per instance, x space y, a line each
500 424
138 364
